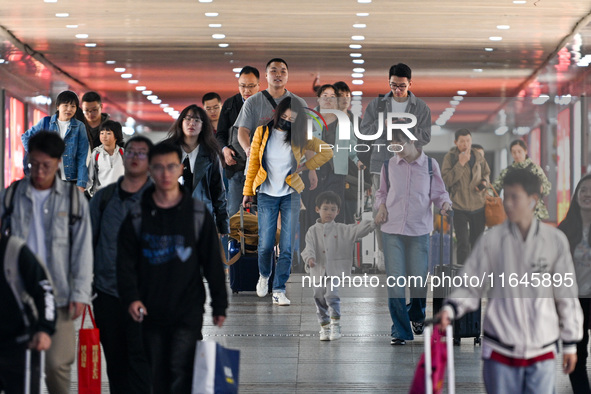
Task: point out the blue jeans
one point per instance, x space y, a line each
268 212
406 256
538 378
234 194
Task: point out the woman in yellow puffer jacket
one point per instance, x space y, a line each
275 164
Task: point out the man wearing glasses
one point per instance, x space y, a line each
92 108
127 365
248 85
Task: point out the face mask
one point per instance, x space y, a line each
284 125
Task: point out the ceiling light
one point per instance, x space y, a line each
168 109
237 69
72 26
355 54
360 25
62 15
501 130
147 92
357 93
163 105
462 92
2 61
82 36
355 46
362 14
358 61
489 49
119 70
211 14
359 70
454 102
110 62
90 44
218 36
495 38
357 82
133 81
458 98
126 75
205 1
364 1
237 75
140 88
357 75
358 38
215 25
50 1
477 70
519 1
503 27
228 53
440 122
152 97
156 102
224 45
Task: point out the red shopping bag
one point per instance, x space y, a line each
89 357
438 364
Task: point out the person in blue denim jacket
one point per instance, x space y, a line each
73 165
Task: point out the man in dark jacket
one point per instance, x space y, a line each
248 85
127 365
164 250
19 330
92 107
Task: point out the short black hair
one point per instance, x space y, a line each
164 148
322 88
210 96
400 70
328 197
140 138
341 87
250 70
67 97
90 97
528 180
47 142
278 60
461 132
116 128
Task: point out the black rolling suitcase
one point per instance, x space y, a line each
469 325
34 371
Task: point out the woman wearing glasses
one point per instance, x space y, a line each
202 168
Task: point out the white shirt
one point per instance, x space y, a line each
399 107
63 128
36 238
278 164
192 157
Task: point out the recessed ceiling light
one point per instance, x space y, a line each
357 82
90 44
133 81
360 25
147 92
477 70
355 54
62 15
50 1
110 62
358 38
355 46
462 92
359 70
205 1
489 49
223 45
2 61
357 75
228 53
364 1
168 109
82 36
458 98
72 26
157 101
358 61
495 38
519 1
503 27
126 75
140 88
357 93
211 14
362 14
454 102
216 25
119 70
218 36
237 69
163 105
152 97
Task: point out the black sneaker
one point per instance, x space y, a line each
397 342
418 328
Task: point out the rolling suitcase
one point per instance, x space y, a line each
469 325
34 371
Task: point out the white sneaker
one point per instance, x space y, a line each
262 286
325 333
280 299
335 331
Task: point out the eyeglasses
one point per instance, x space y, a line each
190 119
249 87
159 168
131 154
45 167
211 109
92 111
398 87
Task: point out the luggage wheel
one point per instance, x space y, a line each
477 341
457 341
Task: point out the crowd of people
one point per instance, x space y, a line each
127 227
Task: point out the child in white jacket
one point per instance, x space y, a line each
106 164
328 252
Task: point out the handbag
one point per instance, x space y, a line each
216 369
494 212
438 365
89 357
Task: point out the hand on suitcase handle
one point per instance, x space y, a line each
40 341
446 210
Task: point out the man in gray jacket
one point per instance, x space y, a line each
52 216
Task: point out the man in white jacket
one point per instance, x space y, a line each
527 271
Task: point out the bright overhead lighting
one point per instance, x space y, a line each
462 92
110 62
2 61
82 36
454 102
364 1
147 92
362 14
218 36
205 1
119 70
357 93
458 98
163 105
501 130
237 69
168 109
355 46
62 15
357 75
211 14
133 81
140 88
50 1
357 82
360 25
519 1
355 54
489 49
156 102
359 70
237 75
126 75
223 45
215 25
358 38
477 70
495 38
90 44
503 27
152 97
72 26
358 61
